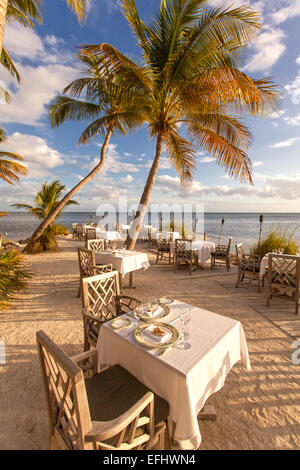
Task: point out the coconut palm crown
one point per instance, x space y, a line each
9 169
190 75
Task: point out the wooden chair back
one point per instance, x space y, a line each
79 230
283 271
68 409
182 254
95 245
90 234
240 254
224 250
100 295
163 245
86 260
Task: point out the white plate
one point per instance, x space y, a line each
119 323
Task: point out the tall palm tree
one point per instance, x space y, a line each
26 12
9 169
191 78
46 201
111 110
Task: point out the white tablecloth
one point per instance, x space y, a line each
204 248
185 378
130 261
108 235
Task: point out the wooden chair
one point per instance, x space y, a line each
283 277
151 241
185 256
88 267
222 254
90 234
110 411
200 237
96 245
102 302
163 250
248 266
79 234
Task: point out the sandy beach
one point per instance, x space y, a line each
258 409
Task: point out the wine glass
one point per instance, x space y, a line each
280 251
114 246
185 320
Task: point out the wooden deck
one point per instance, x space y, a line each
281 311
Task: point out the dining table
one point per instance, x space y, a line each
185 378
124 261
168 235
204 249
108 235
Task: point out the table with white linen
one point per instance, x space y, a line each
124 263
185 378
108 235
204 248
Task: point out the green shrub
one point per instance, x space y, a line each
277 239
13 275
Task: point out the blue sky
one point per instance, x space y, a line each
46 60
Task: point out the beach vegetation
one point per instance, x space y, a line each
10 168
13 275
278 240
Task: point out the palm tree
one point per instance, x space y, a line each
9 169
46 201
191 78
26 12
111 110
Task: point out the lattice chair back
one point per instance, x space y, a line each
199 237
181 251
284 271
96 245
90 234
79 230
86 260
163 245
67 403
224 250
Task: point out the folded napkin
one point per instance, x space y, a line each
145 311
158 339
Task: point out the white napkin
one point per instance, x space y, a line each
158 339
145 311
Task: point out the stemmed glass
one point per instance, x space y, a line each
185 320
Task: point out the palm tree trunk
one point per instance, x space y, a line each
142 209
49 220
3 10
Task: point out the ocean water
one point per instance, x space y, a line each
240 226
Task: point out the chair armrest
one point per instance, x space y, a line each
103 268
103 430
82 356
86 313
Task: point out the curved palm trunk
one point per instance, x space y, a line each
49 220
3 10
142 209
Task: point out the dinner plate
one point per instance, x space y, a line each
166 300
145 340
119 323
164 313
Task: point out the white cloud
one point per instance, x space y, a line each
268 48
113 162
257 163
293 121
206 160
288 11
294 89
127 179
38 156
285 143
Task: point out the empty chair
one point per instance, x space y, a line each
96 245
102 302
110 411
185 256
163 250
200 237
80 232
152 238
222 254
87 266
90 234
248 266
283 277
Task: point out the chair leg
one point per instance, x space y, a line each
79 289
238 280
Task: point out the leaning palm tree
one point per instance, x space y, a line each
190 75
46 201
9 169
26 12
111 110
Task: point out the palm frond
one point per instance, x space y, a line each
181 154
7 63
68 109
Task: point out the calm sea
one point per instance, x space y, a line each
241 226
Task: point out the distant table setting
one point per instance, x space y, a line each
168 235
108 235
204 248
123 261
181 352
